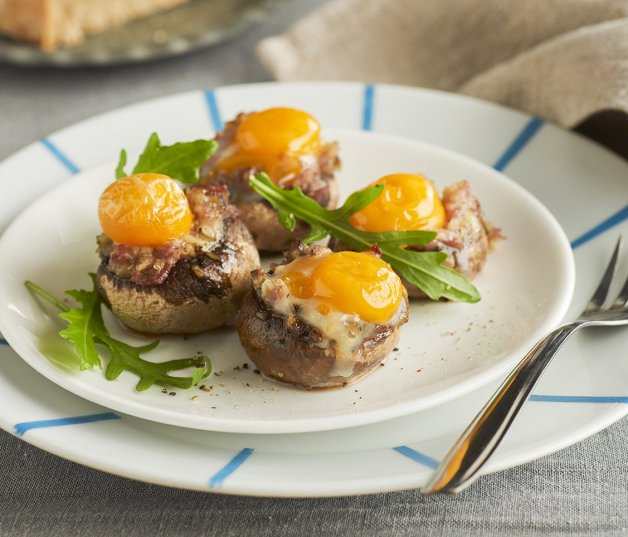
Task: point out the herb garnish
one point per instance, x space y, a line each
423 269
86 329
181 161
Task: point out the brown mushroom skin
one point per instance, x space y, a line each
316 180
268 233
205 285
289 350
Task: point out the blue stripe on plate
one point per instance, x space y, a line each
21 428
219 477
607 224
367 109
417 456
520 141
214 111
3 341
579 398
60 155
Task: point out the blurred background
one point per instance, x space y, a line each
41 92
564 61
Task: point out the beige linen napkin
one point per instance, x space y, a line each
563 60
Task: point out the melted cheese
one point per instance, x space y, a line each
343 333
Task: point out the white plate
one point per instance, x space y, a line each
583 391
445 350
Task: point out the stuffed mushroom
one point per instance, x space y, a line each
322 319
172 261
410 202
285 144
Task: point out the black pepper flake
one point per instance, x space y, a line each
236 368
396 349
164 391
245 366
172 393
381 365
257 371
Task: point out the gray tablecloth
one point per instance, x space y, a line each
582 490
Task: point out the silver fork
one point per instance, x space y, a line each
475 445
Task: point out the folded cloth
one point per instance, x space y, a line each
564 60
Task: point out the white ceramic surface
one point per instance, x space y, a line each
445 350
584 390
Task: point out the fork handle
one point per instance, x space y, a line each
475 445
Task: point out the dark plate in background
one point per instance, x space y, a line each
190 27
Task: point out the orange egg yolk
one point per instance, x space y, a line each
144 209
273 140
408 202
350 282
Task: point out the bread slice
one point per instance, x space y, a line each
58 23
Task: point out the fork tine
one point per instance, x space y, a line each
601 293
622 299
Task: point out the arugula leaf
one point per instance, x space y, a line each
423 269
86 329
120 173
181 161
83 326
124 356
